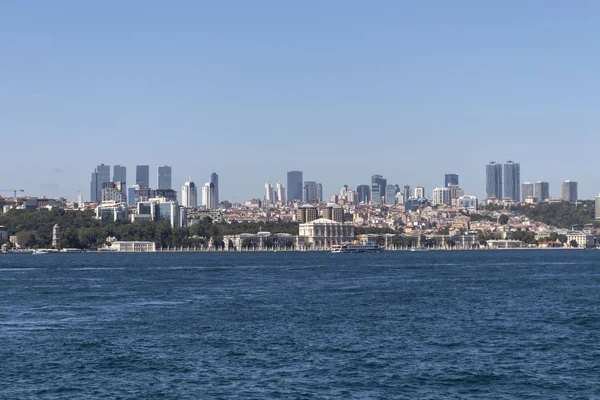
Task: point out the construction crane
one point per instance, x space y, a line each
13 190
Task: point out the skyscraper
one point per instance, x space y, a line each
405 192
120 175
512 181
269 194
208 196
493 180
214 179
164 177
189 195
381 183
569 191
419 193
442 195
527 190
390 194
294 186
142 176
313 192
280 193
542 191
450 179
597 210
100 176
363 193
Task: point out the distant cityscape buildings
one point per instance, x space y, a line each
542 191
294 186
100 176
378 184
142 176
450 179
164 177
493 180
512 181
214 179
569 191
527 192
189 195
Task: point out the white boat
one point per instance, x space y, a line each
357 248
40 251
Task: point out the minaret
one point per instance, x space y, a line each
55 236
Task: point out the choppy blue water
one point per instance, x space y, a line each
504 324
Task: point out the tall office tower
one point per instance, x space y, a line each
189 195
120 175
597 209
280 193
100 176
208 196
344 192
526 191
381 183
294 186
375 193
363 193
351 196
569 191
313 192
79 200
406 192
441 195
450 179
214 178
390 194
142 176
131 198
164 177
542 191
512 181
269 198
419 193
493 180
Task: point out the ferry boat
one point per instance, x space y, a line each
357 248
419 249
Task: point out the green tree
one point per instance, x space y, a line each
574 243
503 219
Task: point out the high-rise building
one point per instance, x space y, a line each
294 186
450 179
280 193
542 191
269 198
405 192
142 176
441 195
100 176
164 177
455 191
113 191
493 180
597 210
512 181
214 179
419 193
208 196
390 194
189 195
313 192
363 193
381 183
526 191
120 175
569 191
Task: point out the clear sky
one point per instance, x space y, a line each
339 89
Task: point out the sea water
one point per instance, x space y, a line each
289 325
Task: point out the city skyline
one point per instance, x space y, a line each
443 79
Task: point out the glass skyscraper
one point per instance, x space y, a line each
214 179
100 176
164 177
542 191
142 176
450 179
493 180
512 181
294 186
569 191
381 183
363 192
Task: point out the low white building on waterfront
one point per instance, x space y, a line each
132 247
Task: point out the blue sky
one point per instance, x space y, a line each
339 89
